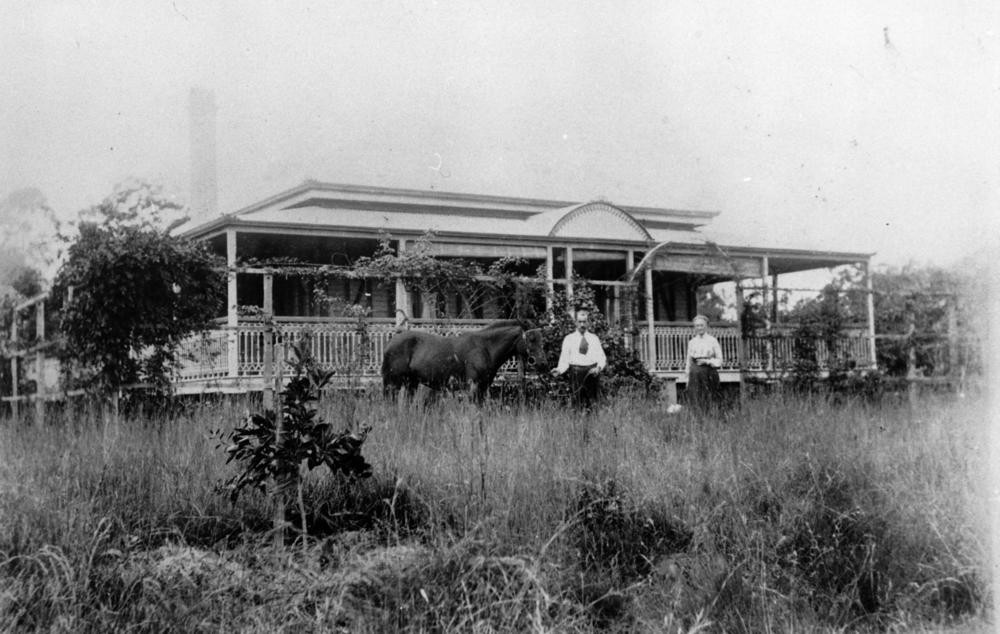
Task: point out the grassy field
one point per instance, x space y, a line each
786 514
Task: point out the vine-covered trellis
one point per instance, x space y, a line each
459 290
442 288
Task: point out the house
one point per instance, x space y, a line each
659 254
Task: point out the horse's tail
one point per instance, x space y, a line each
387 360
397 351
396 361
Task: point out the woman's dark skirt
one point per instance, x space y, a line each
703 385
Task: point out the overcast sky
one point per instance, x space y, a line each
861 126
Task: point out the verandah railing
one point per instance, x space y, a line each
349 350
342 346
760 353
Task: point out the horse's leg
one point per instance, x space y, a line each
412 391
389 387
473 390
479 387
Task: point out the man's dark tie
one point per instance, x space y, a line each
583 344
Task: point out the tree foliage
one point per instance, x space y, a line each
137 292
918 300
915 304
27 225
820 320
134 203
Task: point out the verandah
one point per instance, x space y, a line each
352 345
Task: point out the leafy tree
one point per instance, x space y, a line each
25 281
917 299
137 292
134 203
27 228
821 319
914 300
753 318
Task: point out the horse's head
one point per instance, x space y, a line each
532 347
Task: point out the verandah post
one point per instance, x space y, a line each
740 341
550 287
268 370
870 305
402 297
402 303
629 308
774 299
650 324
39 361
232 318
569 280
764 274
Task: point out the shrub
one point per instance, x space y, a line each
268 457
129 297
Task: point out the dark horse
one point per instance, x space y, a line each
472 359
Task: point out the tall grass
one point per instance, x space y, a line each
788 512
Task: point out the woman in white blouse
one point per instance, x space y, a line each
704 358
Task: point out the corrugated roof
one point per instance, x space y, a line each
769 242
536 225
315 206
395 221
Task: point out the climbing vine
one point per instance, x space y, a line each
460 288
442 287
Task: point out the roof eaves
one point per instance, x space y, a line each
640 212
310 227
659 213
273 200
791 252
435 195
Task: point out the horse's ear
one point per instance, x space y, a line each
525 324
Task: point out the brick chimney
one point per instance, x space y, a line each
204 189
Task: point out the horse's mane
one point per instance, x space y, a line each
507 323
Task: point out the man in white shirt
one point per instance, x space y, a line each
583 357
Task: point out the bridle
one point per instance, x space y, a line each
524 340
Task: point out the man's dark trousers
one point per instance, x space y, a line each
583 386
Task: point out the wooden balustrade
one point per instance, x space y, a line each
347 349
775 353
339 346
204 356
